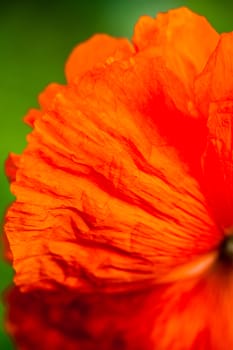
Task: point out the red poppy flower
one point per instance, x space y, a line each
120 235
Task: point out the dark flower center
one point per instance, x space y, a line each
226 250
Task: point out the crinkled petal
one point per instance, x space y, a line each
117 194
97 50
214 93
45 100
105 199
184 38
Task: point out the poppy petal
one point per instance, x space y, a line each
103 198
45 100
122 194
11 166
161 316
95 321
184 313
214 93
183 37
96 50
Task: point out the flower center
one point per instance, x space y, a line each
226 250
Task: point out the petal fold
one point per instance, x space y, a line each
183 37
214 94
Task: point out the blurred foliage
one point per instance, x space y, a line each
36 38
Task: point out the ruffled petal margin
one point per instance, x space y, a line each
184 38
96 51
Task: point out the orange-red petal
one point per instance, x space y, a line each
45 101
105 197
184 38
97 50
120 193
172 316
184 317
11 166
214 94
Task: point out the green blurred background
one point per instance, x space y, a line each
35 40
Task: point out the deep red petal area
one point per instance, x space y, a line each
214 93
191 314
63 319
183 41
